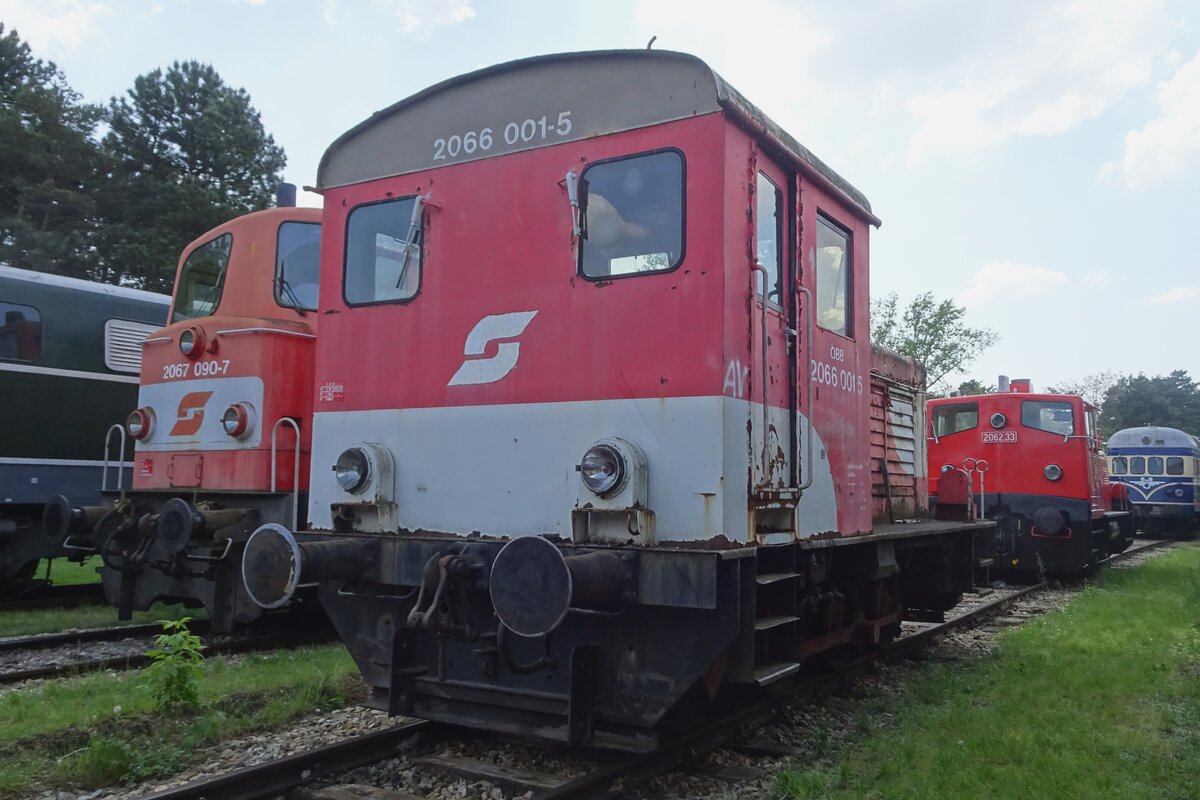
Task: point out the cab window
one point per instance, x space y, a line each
20 332
632 215
1120 465
950 419
833 277
1174 465
202 279
1137 465
769 234
383 253
297 265
1154 465
1048 415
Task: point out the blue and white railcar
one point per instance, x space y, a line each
1161 469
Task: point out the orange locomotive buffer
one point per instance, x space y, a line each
222 431
585 462
1035 465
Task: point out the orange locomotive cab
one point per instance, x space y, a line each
222 430
1033 464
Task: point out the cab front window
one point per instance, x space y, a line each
949 419
1120 465
202 279
1051 416
383 252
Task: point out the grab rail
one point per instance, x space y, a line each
120 459
766 469
808 390
295 467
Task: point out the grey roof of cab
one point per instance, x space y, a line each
677 86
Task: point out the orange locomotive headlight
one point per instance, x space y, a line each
236 419
191 342
139 423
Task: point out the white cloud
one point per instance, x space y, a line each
1066 65
1167 147
1176 295
52 25
1100 277
252 2
1003 280
422 16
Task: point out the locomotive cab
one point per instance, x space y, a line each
221 432
1034 464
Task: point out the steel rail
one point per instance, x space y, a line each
248 644
273 777
52 596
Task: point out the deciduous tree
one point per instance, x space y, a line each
1172 401
933 332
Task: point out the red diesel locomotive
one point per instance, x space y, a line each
1035 465
592 440
222 429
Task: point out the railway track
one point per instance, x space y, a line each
53 596
612 776
289 635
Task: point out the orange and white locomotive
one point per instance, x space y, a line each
591 438
222 429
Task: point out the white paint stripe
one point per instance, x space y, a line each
61 462
68 373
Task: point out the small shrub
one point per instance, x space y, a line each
177 662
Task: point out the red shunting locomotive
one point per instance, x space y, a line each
592 442
222 431
1034 464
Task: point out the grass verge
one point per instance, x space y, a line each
68 573
1099 700
50 620
100 729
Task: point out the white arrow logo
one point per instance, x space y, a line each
489 329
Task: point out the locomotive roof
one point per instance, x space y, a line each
606 91
1152 436
65 282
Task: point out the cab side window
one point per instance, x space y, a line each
202 279
949 419
20 332
833 277
633 217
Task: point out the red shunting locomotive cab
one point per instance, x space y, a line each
1034 465
222 429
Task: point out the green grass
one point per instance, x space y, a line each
100 729
49 620
68 573
1099 700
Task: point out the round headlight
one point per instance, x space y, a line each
999 420
1052 472
191 342
602 469
139 422
1179 492
352 470
236 420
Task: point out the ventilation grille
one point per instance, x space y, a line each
123 344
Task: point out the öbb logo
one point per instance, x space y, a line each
487 330
190 414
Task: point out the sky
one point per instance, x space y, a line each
1038 161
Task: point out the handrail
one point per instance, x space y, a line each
808 390
155 339
280 331
759 268
120 459
295 467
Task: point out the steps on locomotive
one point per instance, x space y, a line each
776 614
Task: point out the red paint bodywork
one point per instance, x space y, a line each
1017 468
284 363
497 239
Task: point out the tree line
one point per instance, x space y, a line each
114 192
935 332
